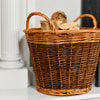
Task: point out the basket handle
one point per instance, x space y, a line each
44 16
88 15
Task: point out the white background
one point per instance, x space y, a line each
72 8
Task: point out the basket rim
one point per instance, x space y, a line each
82 30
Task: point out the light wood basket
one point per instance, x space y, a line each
64 61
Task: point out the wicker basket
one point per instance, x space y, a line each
64 61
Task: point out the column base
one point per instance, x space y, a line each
11 64
13 78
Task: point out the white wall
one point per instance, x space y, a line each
71 7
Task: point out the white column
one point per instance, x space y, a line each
12 76
10 57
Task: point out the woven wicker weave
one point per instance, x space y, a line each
64 61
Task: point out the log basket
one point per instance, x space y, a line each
64 61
